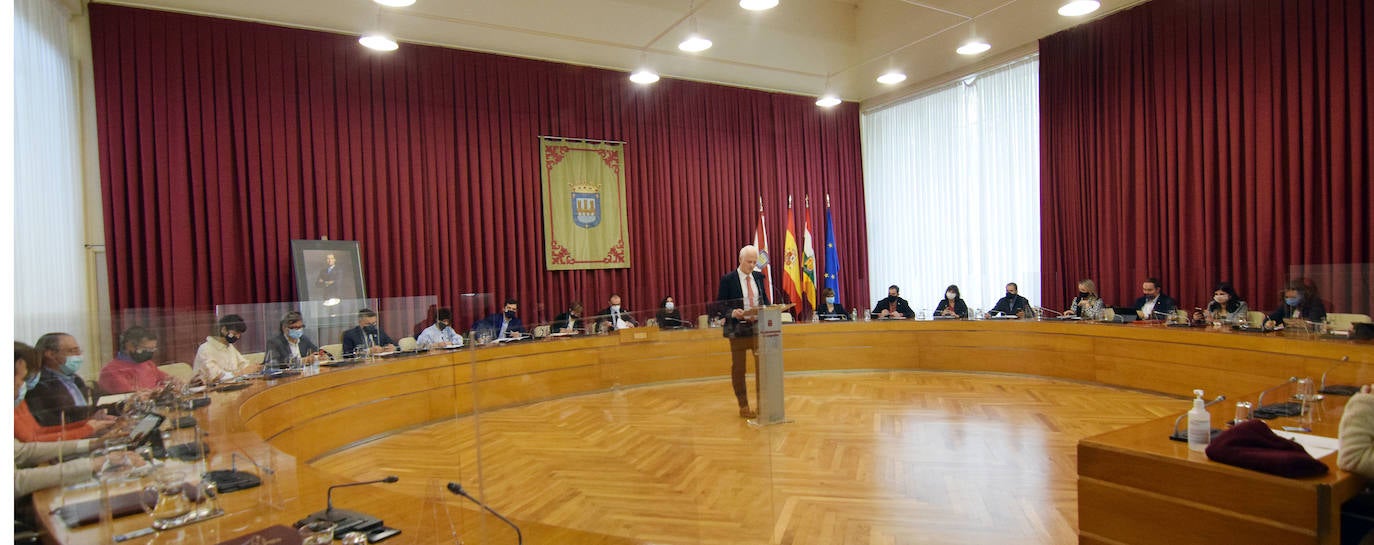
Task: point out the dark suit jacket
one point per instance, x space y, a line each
278 350
902 307
835 311
50 398
492 324
560 323
730 297
1010 305
1165 305
354 338
1312 311
605 316
960 307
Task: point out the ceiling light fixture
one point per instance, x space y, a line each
395 3
892 77
1075 8
694 44
973 47
378 42
828 101
644 76
758 5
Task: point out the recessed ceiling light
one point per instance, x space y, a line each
644 76
1079 7
694 44
892 77
758 5
395 3
378 42
973 47
828 101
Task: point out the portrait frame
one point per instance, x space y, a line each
315 281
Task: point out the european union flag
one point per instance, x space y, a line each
832 256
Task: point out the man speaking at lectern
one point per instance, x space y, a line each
740 290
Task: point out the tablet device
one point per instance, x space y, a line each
145 429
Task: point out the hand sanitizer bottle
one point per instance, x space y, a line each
1199 424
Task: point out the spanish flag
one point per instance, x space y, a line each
791 262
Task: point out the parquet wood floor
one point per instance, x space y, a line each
872 457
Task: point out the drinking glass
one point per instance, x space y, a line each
316 532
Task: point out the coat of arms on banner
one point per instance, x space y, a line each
584 204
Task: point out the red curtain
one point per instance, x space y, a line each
222 140
1198 141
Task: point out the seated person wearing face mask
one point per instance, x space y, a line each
503 324
1152 303
1226 307
830 308
290 346
1011 305
60 394
893 307
1298 304
26 427
668 316
217 360
368 336
441 334
614 317
133 368
952 305
570 321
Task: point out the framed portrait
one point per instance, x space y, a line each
328 271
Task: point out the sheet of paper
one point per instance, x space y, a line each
1315 445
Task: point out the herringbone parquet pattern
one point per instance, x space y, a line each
877 457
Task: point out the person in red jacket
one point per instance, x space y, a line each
26 427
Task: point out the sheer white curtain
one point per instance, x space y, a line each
50 283
952 186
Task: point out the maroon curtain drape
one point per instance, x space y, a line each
1205 141
220 141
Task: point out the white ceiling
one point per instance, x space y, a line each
796 47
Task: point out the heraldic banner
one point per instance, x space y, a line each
584 204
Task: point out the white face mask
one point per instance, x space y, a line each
615 308
950 295
1221 298
669 305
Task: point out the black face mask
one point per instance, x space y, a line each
1011 295
142 355
232 339
442 326
370 329
510 314
1083 294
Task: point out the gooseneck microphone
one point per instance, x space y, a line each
457 489
344 520
329 495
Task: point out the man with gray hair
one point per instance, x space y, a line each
741 289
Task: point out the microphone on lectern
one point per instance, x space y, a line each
457 489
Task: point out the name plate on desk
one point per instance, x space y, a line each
637 334
272 535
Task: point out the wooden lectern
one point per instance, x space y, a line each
770 370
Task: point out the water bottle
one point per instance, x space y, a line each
814 318
854 314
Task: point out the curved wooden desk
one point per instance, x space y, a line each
302 418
